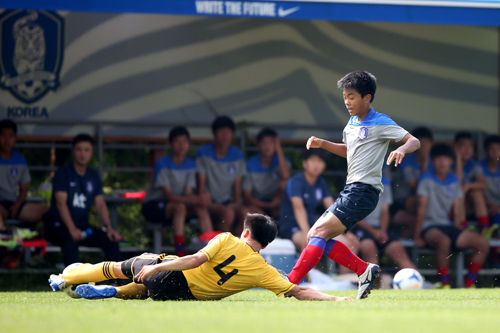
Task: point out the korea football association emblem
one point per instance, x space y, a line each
363 133
31 53
90 187
319 194
14 172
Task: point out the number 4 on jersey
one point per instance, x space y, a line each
223 276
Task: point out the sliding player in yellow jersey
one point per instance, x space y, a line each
226 266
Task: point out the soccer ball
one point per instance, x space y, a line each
407 278
70 289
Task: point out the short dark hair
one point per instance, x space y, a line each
262 228
422 132
223 122
7 123
177 131
307 153
267 131
362 81
442 149
491 139
82 137
463 135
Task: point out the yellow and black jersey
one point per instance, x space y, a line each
233 266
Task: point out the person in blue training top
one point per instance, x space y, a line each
470 174
404 208
491 171
220 168
74 187
439 197
267 174
171 198
14 177
303 194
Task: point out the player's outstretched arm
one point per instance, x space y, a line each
180 264
336 148
304 293
411 144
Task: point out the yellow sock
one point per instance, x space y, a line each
90 273
132 291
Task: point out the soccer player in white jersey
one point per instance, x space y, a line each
365 141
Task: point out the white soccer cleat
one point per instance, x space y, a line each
366 280
57 283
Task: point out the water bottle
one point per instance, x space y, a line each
87 232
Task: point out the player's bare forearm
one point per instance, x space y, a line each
304 293
336 148
300 214
479 184
458 212
180 264
23 193
201 179
237 190
411 144
283 166
421 210
385 217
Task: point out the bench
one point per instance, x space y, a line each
459 260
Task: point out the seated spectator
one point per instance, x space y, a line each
470 174
267 174
304 191
74 187
14 175
440 193
404 208
376 237
171 199
491 173
221 167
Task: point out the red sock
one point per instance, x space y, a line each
341 254
471 277
309 258
443 276
179 245
463 224
484 222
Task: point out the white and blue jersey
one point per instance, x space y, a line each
367 143
220 173
312 195
471 171
493 181
13 172
261 180
167 173
440 197
81 191
409 170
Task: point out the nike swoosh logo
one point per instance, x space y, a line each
282 12
72 184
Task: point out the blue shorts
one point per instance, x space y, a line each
449 230
363 234
354 203
154 211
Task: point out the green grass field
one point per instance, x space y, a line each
257 311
